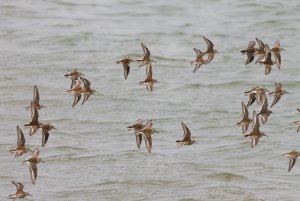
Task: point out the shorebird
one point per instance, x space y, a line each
292 154
45 132
245 119
268 63
261 50
250 50
86 89
36 99
276 49
256 93
21 147
146 57
74 75
33 160
255 134
199 60
137 127
252 95
147 131
125 61
264 112
298 122
277 93
76 90
149 81
210 50
34 124
186 140
19 191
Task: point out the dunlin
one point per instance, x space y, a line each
45 132
256 93
34 124
33 160
36 99
252 95
277 93
255 134
21 147
86 89
137 127
125 61
260 94
268 63
250 50
245 119
276 49
145 60
76 90
147 131
264 112
20 193
293 154
261 50
210 50
298 122
186 140
149 81
199 60
74 75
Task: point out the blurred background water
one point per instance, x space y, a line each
92 156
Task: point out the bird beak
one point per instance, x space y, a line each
43 161
55 128
97 93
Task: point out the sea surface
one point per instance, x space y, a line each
92 155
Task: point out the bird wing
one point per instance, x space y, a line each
21 138
33 172
45 137
186 132
36 95
148 142
126 70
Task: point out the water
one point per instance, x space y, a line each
92 156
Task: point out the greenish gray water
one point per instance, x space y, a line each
92 156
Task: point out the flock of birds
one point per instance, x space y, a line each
21 147
258 94
145 130
77 90
264 54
